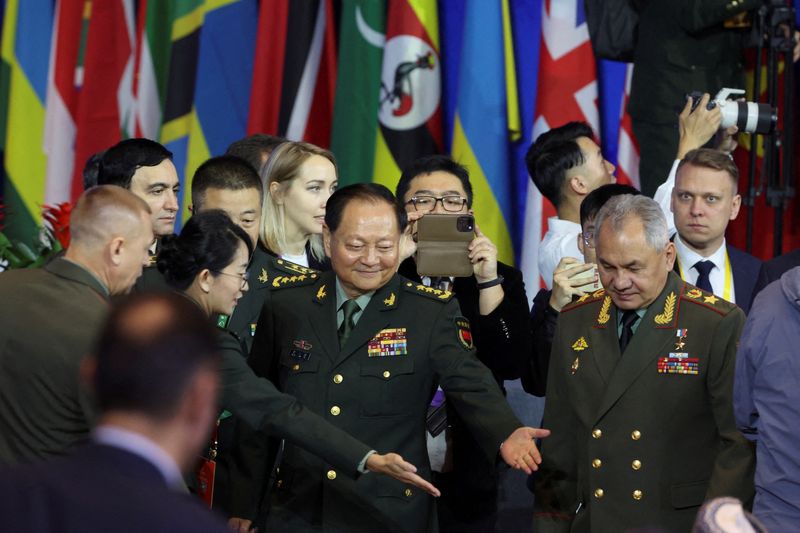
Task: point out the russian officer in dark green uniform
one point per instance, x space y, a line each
366 349
639 391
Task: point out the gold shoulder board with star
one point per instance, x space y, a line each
706 299
290 268
295 280
588 298
430 292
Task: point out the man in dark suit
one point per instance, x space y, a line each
773 269
145 168
683 46
397 340
639 391
493 299
704 200
50 317
155 378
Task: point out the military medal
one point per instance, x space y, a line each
388 342
680 344
575 364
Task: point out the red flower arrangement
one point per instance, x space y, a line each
53 236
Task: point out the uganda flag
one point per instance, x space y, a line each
409 103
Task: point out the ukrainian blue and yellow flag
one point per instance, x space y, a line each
27 32
487 118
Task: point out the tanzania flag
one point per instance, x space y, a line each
361 40
409 104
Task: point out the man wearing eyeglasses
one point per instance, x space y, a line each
569 282
493 299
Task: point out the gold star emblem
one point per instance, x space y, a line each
389 301
710 299
263 277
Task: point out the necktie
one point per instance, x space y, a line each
349 308
629 318
703 281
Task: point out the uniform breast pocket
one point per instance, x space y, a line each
297 368
389 383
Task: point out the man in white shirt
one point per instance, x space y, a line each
565 164
705 198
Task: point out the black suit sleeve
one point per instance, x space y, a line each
503 335
535 363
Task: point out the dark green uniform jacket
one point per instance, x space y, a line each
377 387
641 440
49 318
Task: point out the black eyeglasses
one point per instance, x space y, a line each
428 203
243 277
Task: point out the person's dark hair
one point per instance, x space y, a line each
91 169
365 192
596 199
150 347
254 149
119 163
429 164
552 155
225 172
207 240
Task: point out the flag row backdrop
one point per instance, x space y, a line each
380 82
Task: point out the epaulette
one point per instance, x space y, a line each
588 298
293 268
706 299
296 280
430 292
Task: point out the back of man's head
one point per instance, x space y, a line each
120 162
374 193
255 149
103 212
429 164
228 173
598 198
552 155
150 348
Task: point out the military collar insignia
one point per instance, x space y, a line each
580 344
263 277
705 299
603 317
586 298
294 268
321 294
152 260
694 293
389 302
666 316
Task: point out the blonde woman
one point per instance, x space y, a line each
298 180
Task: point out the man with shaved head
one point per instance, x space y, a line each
50 317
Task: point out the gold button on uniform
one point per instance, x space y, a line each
338 378
636 464
637 495
335 410
408 493
331 474
296 367
386 373
636 434
597 463
598 493
596 433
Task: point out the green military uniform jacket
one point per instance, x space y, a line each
49 318
264 268
641 440
377 387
